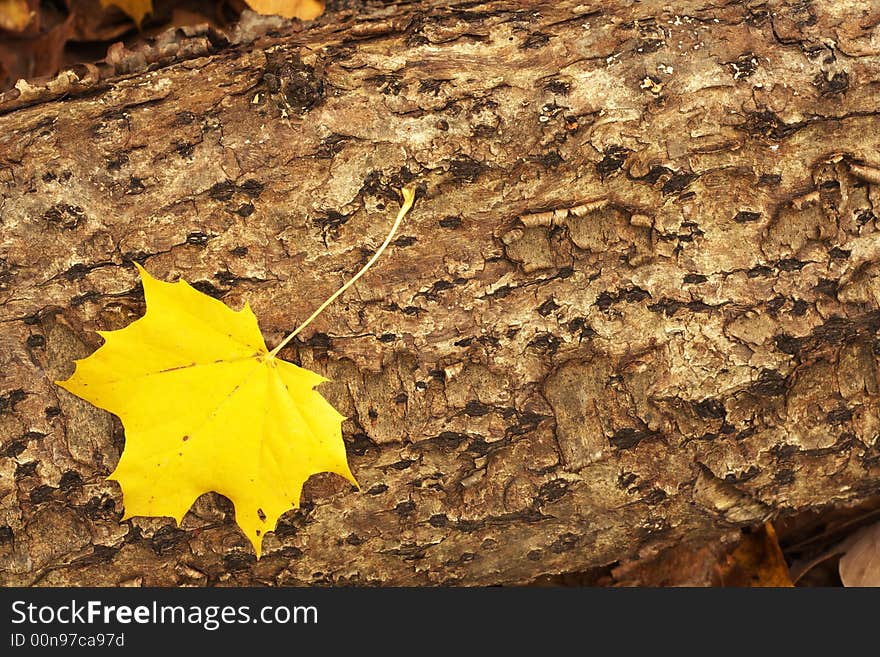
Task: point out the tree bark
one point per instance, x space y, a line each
636 302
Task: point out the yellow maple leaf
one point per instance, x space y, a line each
207 407
137 9
303 9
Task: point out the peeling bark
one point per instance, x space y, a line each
636 302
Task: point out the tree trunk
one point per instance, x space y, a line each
636 302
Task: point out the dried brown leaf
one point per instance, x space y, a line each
757 561
93 21
33 56
860 565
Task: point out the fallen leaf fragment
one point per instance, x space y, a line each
757 561
207 407
93 21
33 53
303 9
860 564
137 9
15 15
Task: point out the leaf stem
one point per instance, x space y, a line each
409 193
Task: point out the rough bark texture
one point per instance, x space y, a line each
637 300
